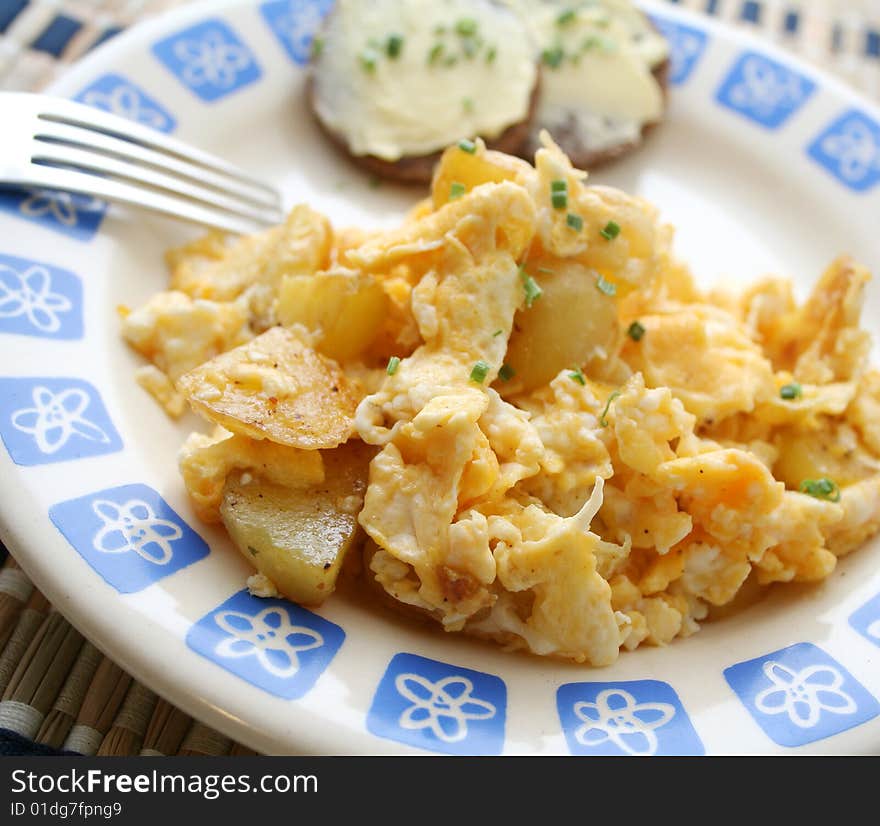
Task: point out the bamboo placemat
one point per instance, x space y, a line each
57 691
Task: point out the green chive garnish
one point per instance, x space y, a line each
479 371
533 291
467 146
791 391
506 373
635 331
491 55
578 375
546 271
393 364
466 26
574 221
823 488
559 200
317 46
602 419
394 46
566 17
368 58
497 333
559 185
553 57
456 190
434 54
606 286
611 231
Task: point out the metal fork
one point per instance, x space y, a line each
54 143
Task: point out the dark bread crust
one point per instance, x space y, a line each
419 169
571 142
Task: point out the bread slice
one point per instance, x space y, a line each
576 144
395 116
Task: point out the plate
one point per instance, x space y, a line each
763 165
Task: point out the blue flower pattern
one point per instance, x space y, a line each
209 59
763 90
54 420
800 694
294 23
849 148
686 47
38 299
640 718
439 707
129 535
270 643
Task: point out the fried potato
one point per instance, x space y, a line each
344 309
470 169
276 388
572 324
298 538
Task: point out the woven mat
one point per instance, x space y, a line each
57 691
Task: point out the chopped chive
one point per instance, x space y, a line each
553 57
559 185
467 104
394 46
497 333
491 54
317 47
368 58
466 26
559 200
506 373
546 271
606 286
434 54
578 375
533 290
635 331
791 391
566 17
456 190
574 221
467 146
611 231
393 364
602 419
479 371
823 488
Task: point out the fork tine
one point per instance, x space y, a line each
88 184
78 114
89 139
55 153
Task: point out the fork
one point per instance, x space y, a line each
53 143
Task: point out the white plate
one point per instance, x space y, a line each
732 168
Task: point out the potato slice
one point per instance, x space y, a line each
571 323
298 538
344 309
470 169
276 388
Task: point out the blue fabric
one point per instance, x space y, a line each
57 35
9 10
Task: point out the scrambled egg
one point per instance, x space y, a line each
578 450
